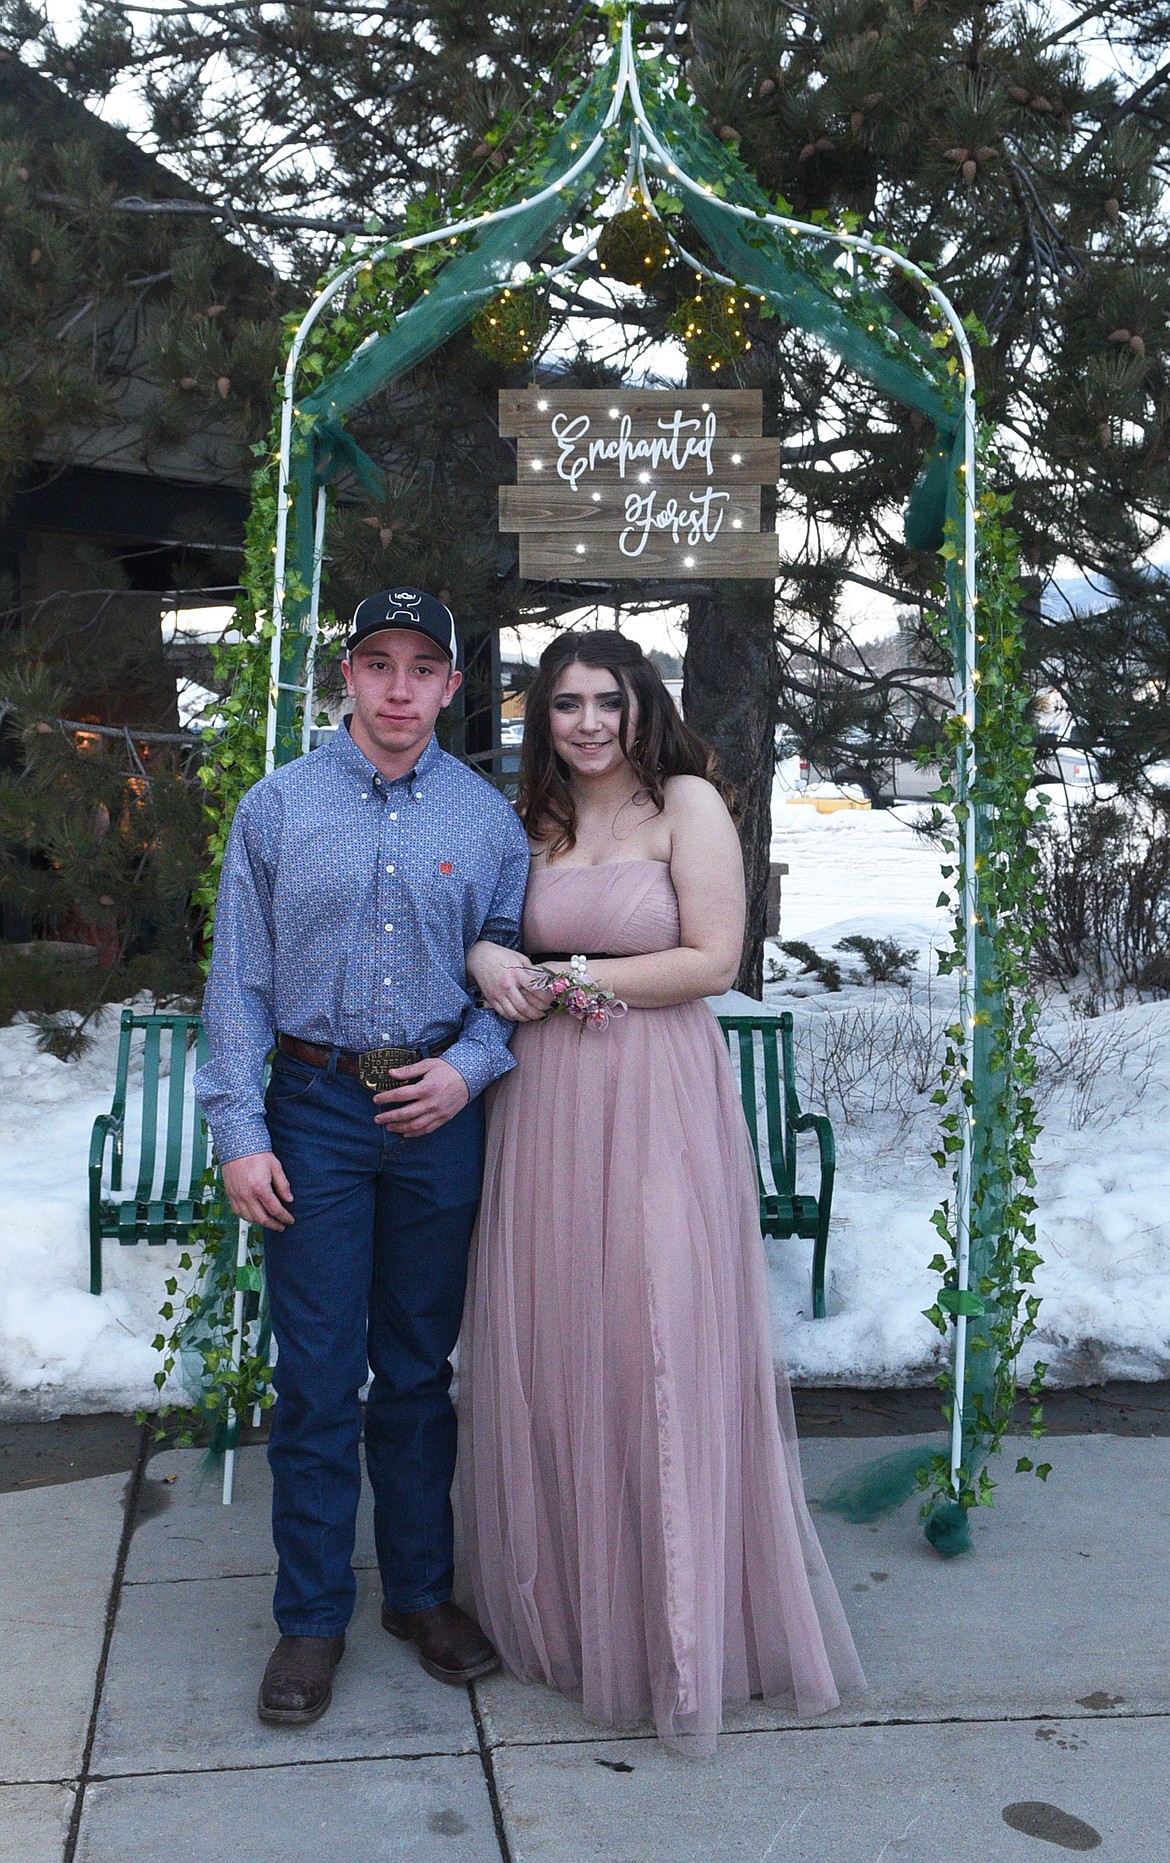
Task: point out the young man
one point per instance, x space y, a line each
354 880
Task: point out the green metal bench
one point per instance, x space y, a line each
172 1147
761 1052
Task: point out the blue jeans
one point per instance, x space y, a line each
372 1269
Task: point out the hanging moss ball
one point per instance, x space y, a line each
633 246
512 327
710 327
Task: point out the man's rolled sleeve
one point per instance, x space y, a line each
238 1002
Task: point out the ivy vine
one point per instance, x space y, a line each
1000 1303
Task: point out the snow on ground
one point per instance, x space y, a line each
60 1348
868 1056
1103 1169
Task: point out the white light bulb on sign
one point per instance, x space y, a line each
689 561
737 459
643 478
706 407
597 498
737 523
542 405
580 549
538 465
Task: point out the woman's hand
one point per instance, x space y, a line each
499 974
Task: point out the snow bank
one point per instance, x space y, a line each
1103 1165
60 1348
1103 1168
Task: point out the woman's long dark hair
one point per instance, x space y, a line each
662 746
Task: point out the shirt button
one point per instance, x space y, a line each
385 983
394 815
388 928
365 795
389 866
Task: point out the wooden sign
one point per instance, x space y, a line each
638 483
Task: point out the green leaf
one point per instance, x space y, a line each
955 1300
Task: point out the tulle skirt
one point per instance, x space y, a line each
635 1524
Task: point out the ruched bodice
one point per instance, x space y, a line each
626 907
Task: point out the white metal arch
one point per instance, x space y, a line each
640 129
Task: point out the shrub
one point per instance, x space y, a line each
1104 930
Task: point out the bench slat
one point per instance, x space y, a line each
150 1058
178 1085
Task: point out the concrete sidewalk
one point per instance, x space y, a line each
1019 1698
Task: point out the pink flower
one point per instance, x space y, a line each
559 985
597 1018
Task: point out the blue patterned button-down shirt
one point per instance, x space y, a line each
346 904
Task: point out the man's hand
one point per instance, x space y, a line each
258 1190
432 1092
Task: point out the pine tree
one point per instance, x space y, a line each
978 136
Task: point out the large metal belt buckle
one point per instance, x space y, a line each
374 1066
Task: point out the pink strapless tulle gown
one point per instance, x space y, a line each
636 1530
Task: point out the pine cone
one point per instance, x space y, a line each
1113 210
225 387
956 155
189 382
766 88
1019 94
1137 344
728 134
1042 104
985 154
969 171
1103 432
857 122
1120 336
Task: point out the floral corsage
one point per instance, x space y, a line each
576 995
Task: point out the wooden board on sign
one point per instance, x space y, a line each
738 410
734 462
745 554
553 507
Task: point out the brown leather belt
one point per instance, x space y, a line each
371 1066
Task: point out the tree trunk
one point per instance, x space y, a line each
730 691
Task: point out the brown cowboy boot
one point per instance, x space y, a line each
450 1646
298 1682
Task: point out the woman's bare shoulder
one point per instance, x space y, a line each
692 798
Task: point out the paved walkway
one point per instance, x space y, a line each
1019 1698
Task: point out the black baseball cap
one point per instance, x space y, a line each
404 607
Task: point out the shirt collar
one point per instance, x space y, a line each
357 761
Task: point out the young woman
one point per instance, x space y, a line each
635 1525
